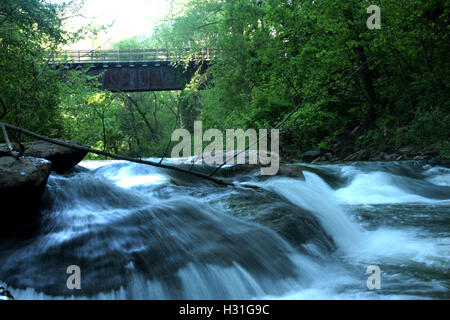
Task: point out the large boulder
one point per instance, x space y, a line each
22 182
62 158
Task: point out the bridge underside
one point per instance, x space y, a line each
140 76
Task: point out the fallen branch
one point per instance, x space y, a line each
120 157
10 151
5 136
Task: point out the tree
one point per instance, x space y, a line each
272 54
30 34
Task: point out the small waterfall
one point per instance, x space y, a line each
317 197
145 233
152 248
382 188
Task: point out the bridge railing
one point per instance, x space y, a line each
143 55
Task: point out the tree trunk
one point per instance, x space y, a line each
364 75
152 132
367 81
133 127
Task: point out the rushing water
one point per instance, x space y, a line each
139 232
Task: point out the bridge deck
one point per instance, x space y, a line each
126 56
135 70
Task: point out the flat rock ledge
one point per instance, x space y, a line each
62 158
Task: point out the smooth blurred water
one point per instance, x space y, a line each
139 232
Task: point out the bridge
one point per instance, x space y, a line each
136 70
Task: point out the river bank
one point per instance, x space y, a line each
347 148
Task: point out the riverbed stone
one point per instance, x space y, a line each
5 294
291 172
390 157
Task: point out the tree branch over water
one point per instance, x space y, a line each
120 157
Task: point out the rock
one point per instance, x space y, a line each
321 159
431 153
352 157
405 150
376 156
291 171
22 182
288 159
5 294
363 155
357 132
390 157
285 170
440 162
62 158
311 155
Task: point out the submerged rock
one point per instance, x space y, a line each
284 170
62 158
22 182
290 171
5 294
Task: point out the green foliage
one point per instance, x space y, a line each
273 55
30 90
137 42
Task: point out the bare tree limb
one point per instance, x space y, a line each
154 113
2 103
120 157
142 114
